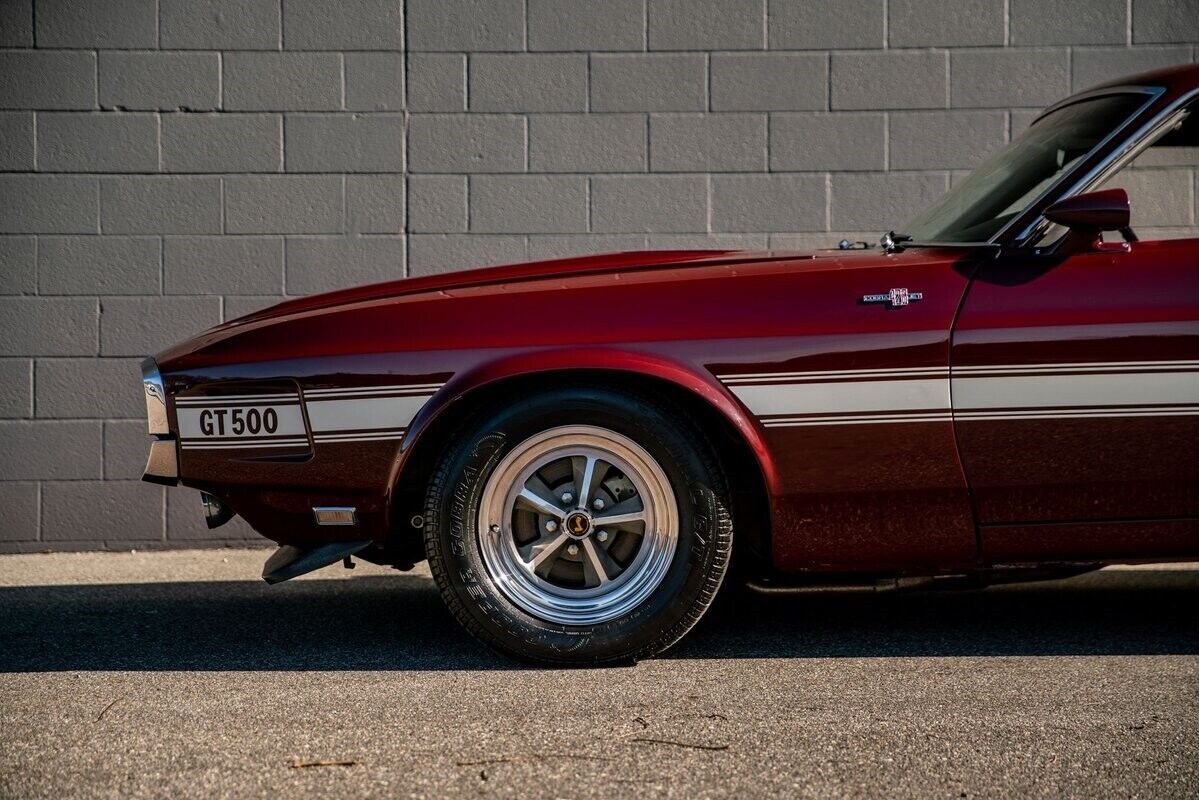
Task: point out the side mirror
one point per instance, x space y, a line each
1088 216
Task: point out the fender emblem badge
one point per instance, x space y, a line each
894 298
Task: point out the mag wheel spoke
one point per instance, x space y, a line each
579 525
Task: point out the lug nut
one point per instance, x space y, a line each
598 504
573 549
551 526
601 536
567 497
495 528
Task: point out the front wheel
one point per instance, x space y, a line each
582 525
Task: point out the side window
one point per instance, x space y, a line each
1161 183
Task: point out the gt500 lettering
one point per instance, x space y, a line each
211 424
241 421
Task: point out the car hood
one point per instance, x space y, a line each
514 273
301 325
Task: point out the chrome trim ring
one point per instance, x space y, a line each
582 474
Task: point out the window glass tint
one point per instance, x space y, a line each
978 207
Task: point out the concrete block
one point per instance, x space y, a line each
150 204
528 204
220 24
240 306
707 142
528 82
1004 78
587 143
343 143
551 246
47 326
282 81
222 142
345 25
323 264
1096 65
649 204
1164 21
826 26
284 204
118 24
16 388
841 141
707 24
706 241
1041 22
50 450
167 81
466 143
97 142
437 204
128 511
98 265
436 82
430 254
375 81
211 265
48 204
648 82
945 139
895 79
139 326
769 81
375 203
945 23
567 25
18 265
1159 197
18 512
16 23
45 79
16 141
67 388
466 25
126 446
765 203
881 201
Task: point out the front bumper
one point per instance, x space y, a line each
162 466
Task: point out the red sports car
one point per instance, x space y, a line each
1008 387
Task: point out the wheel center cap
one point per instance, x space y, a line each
578 524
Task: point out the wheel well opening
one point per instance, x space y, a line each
751 512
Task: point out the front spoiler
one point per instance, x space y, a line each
289 561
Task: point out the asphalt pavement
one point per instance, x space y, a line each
183 675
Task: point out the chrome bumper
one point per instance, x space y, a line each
162 466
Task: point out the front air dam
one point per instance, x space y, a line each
288 561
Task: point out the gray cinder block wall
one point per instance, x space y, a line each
168 164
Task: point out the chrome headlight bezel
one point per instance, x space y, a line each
156 399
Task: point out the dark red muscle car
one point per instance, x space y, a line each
1008 387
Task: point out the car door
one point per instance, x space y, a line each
1075 389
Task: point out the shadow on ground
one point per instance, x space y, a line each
399 623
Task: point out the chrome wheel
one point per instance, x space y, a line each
578 525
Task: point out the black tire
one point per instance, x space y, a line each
695 571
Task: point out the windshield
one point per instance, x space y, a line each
978 207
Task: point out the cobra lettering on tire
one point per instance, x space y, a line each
581 525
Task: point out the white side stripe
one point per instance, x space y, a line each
830 398
1073 390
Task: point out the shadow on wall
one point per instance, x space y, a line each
400 623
